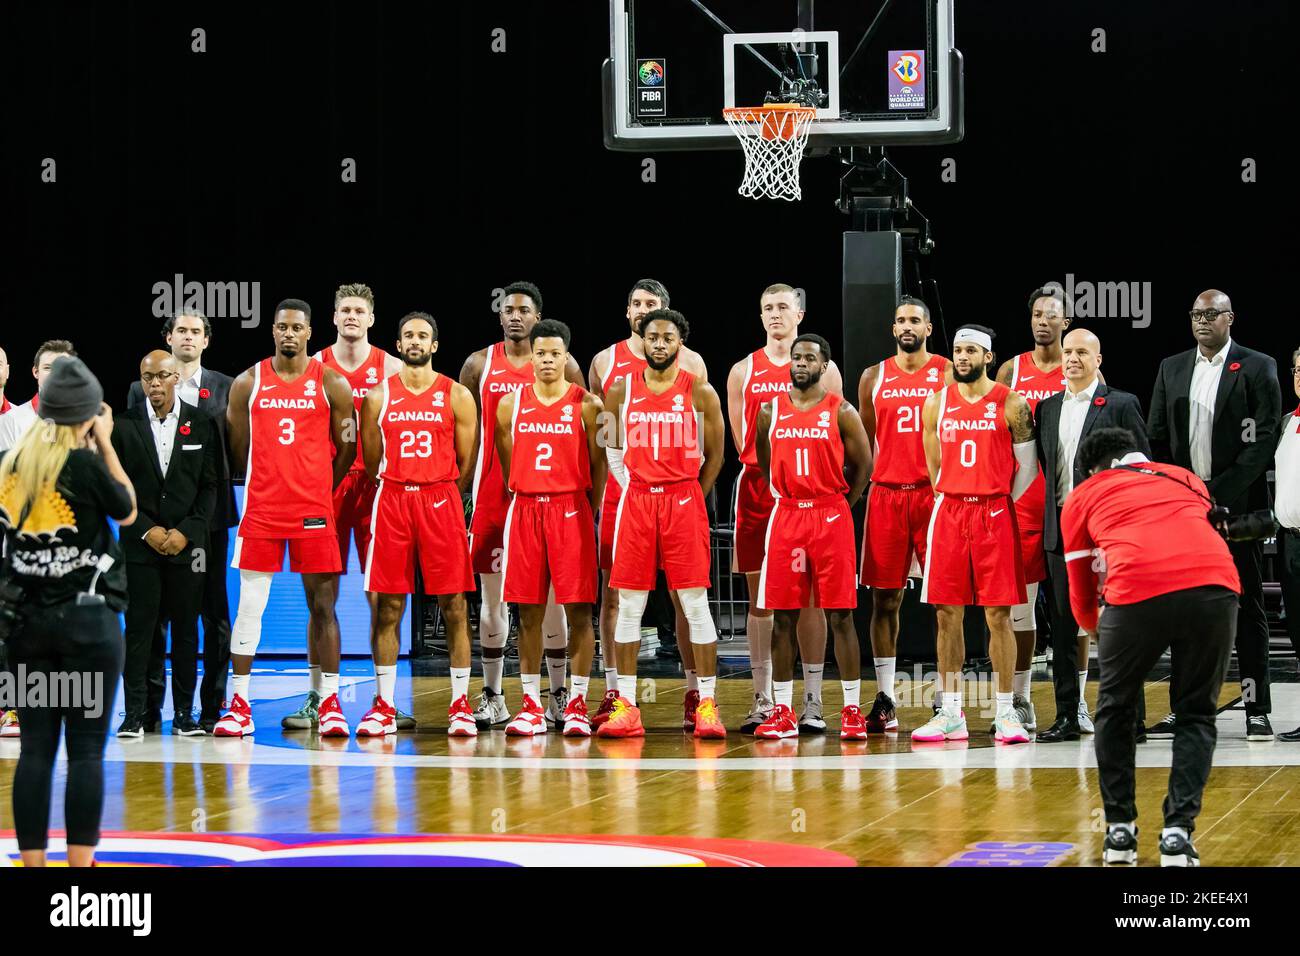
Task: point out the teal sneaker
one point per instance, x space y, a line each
1009 729
306 716
941 727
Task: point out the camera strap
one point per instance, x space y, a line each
1160 474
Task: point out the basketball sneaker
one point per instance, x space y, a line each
1121 845
605 709
305 717
708 725
491 710
460 719
779 726
9 724
235 722
942 726
1177 850
530 722
883 718
1085 719
1008 729
380 720
811 720
1023 709
761 713
852 724
331 722
556 707
576 722
405 721
624 721
689 706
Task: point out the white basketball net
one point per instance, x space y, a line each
773 139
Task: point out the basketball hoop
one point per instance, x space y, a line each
773 138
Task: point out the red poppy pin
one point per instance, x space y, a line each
184 429
1234 367
1099 401
204 393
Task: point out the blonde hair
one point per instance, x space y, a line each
33 466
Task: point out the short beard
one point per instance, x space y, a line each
974 375
813 379
419 361
649 360
918 343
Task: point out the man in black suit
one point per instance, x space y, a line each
188 335
1286 509
1215 411
1064 420
171 453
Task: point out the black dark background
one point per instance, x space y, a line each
476 168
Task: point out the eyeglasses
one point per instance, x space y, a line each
148 378
1295 370
1207 315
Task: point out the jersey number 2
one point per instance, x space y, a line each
544 453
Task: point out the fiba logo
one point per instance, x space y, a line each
990 409
310 388
566 414
908 68
651 73
933 375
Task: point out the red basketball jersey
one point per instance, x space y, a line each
763 380
361 380
661 435
622 362
807 450
419 433
898 398
1033 383
289 483
549 451
499 378
975 456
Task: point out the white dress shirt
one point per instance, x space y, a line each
14 423
1200 419
164 433
187 390
1286 462
1074 409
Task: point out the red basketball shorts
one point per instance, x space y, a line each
419 523
1029 516
550 540
608 518
972 553
354 499
487 530
661 526
893 536
318 554
809 558
754 504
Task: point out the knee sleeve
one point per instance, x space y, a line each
631 605
695 608
254 591
555 625
1022 615
494 615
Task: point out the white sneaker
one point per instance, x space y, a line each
811 720
491 710
379 721
555 709
1085 719
1009 730
763 708
942 726
529 723
1024 708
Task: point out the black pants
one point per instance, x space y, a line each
1252 627
1288 563
162 591
1065 631
216 637
86 641
1198 625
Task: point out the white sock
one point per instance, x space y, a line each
611 678
950 703
852 692
459 683
885 675
783 692
1020 682
329 685
627 688
692 681
1083 683
580 687
1130 827
1170 831
239 685
758 631
707 685
531 686
1004 704
386 678
314 670
812 681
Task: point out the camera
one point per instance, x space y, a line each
11 601
1251 526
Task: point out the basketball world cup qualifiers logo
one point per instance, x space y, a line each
906 80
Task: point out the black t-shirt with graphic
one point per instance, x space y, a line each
55 554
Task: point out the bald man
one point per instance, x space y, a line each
1064 420
1216 410
172 452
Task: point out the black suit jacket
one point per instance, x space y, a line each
225 514
1247 413
1119 410
183 498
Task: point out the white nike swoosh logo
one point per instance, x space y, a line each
891 379
527 411
1026 378
621 364
570 514
265 387
637 400
831 518
761 371
497 371
683 501
781 418
396 400
994 514
439 504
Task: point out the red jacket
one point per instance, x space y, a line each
1132 536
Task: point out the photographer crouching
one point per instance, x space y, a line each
62 585
1148 537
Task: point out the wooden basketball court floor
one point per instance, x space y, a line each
882 802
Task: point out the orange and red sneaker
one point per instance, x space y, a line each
708 725
624 721
780 726
605 710
853 726
689 706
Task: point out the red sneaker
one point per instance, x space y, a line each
605 710
852 724
460 719
380 720
708 725
689 706
530 721
780 726
331 722
576 722
624 721
235 722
